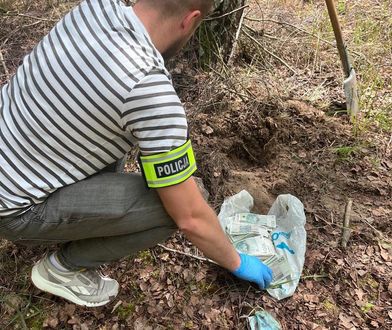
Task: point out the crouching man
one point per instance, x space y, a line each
92 89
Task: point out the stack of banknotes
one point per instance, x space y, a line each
251 234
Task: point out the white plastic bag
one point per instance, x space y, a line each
289 237
239 203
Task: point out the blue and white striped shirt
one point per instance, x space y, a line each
90 90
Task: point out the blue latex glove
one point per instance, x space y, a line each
253 270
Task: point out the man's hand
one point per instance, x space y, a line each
253 270
200 224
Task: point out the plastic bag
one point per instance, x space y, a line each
262 320
289 237
239 203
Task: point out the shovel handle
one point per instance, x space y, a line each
339 37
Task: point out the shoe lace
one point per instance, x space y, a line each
95 276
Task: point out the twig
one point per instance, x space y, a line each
252 19
388 145
269 52
346 224
7 73
31 17
186 254
237 36
380 233
227 14
227 80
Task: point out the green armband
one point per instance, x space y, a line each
169 169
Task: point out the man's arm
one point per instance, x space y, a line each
185 204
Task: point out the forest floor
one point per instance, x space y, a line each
272 123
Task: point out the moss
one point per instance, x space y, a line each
125 310
330 306
146 257
367 307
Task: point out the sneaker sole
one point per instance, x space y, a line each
60 291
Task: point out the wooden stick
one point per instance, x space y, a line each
237 36
346 224
7 73
186 254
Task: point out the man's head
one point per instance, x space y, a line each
172 22
171 8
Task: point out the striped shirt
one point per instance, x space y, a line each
93 88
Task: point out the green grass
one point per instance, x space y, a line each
345 153
24 313
125 310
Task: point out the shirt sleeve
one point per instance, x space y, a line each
154 115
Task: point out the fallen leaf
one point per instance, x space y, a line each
361 272
346 321
385 255
51 322
311 298
69 309
207 129
374 324
359 293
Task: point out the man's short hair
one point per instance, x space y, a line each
174 7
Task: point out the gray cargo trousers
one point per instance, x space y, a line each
98 220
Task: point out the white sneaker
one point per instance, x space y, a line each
86 287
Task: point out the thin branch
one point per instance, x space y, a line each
227 14
269 52
30 16
187 254
253 19
237 36
346 223
7 73
380 233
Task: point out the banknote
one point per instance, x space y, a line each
256 219
239 238
241 229
280 267
257 246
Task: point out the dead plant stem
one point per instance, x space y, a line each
381 234
227 14
253 19
6 72
237 36
186 254
30 16
269 52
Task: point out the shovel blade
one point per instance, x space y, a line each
351 91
